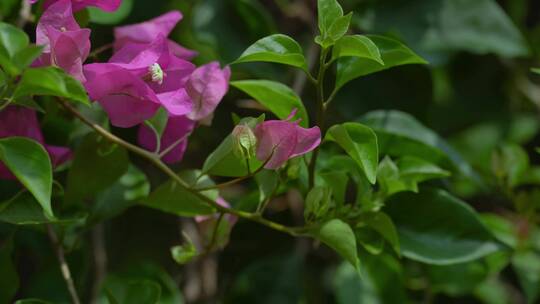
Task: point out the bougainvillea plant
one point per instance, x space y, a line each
381 181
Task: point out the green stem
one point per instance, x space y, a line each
64 267
152 158
214 234
321 109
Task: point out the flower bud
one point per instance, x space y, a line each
244 141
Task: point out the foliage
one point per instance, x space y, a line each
266 152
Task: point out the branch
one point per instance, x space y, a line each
64 268
294 231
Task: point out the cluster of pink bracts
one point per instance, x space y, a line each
146 72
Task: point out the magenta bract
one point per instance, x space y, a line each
127 90
106 5
206 87
281 140
65 44
146 32
23 122
174 138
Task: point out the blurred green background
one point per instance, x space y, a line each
477 93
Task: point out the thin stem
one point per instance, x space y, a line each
294 231
214 233
330 98
7 103
64 268
320 112
171 147
100 50
236 180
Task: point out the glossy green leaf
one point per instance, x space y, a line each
26 56
268 181
50 81
277 97
172 198
317 203
328 12
30 163
23 209
393 53
437 228
400 134
9 278
12 40
337 181
339 236
101 17
383 224
360 143
97 165
359 46
124 193
381 280
223 161
276 48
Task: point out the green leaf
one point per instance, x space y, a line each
225 162
276 48
339 236
185 253
101 17
393 53
143 292
440 28
337 181
268 181
437 228
400 134
158 122
381 280
32 301
329 11
383 224
97 165
510 162
50 81
12 40
23 209
527 267
360 143
172 198
317 203
277 97
30 163
26 56
359 46
130 188
535 70
9 280
339 27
